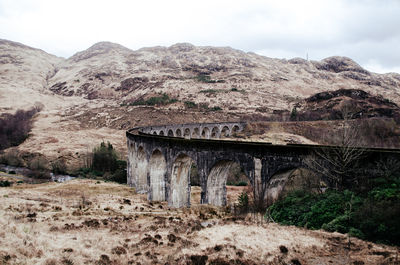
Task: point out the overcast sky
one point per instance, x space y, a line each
366 31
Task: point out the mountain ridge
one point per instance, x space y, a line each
94 93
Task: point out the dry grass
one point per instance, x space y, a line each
87 222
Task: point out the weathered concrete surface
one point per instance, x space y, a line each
142 170
216 183
160 165
157 170
180 182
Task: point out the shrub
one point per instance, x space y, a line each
38 166
374 216
11 158
59 166
190 104
104 158
5 183
243 202
15 128
105 164
240 183
215 108
163 99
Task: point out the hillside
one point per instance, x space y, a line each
96 93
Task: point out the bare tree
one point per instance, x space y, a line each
339 163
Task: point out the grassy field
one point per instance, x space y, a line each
93 222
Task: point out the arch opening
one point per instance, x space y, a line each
235 129
180 182
205 133
225 131
289 179
161 133
222 173
215 132
157 170
178 133
170 133
141 171
154 133
196 133
187 133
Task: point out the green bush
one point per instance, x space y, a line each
243 202
105 164
5 183
104 158
240 183
163 99
210 91
190 104
374 215
215 108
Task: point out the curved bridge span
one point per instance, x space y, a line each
160 160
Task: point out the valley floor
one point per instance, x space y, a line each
93 222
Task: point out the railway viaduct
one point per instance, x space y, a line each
160 160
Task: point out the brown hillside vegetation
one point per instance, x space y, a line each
93 95
89 222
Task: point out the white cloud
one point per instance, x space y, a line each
363 30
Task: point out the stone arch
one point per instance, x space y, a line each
154 133
205 133
225 131
141 171
278 181
170 133
187 133
235 129
196 133
180 182
215 132
157 170
216 182
178 133
161 133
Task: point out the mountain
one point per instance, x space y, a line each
96 93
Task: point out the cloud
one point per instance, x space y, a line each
364 30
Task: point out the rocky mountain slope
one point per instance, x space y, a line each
93 94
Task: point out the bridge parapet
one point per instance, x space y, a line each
196 130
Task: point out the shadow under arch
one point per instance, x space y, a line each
225 131
180 181
157 169
196 133
186 133
178 133
215 132
235 129
141 171
292 178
